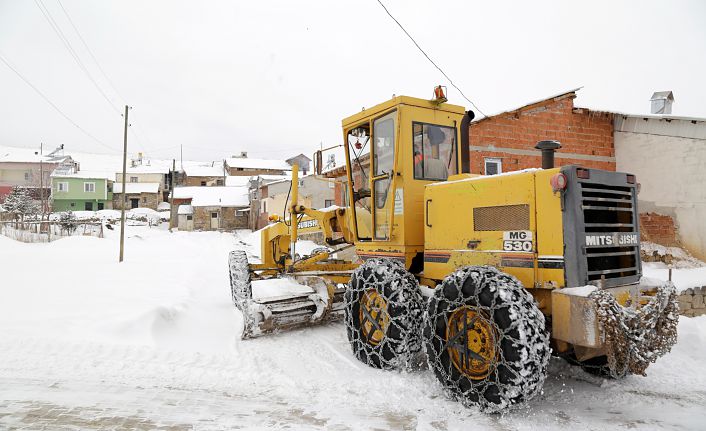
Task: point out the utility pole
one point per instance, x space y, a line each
171 197
123 199
181 156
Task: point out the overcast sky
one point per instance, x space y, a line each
276 78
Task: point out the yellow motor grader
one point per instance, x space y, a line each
483 275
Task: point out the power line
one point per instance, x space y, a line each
138 136
85 45
46 99
430 60
55 26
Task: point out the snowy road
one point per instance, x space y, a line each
153 343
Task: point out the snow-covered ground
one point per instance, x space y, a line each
153 343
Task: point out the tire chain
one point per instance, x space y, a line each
636 337
525 377
241 290
404 296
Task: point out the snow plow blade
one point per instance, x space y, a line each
632 325
323 302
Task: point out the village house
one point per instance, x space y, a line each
30 169
81 191
212 208
242 165
258 192
146 171
205 176
137 195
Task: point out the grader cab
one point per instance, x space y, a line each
484 276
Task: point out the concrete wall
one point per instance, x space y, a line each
668 156
143 178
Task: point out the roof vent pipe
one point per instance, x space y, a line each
548 148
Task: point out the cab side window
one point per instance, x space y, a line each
434 152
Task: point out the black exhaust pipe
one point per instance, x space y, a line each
465 148
548 148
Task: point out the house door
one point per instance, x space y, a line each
214 220
134 203
100 206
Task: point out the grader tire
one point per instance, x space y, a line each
486 339
383 314
239 278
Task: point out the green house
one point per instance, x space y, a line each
81 191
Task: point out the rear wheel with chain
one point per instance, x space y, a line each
383 314
485 339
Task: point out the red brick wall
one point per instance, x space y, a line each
658 228
580 131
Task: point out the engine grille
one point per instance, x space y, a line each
612 238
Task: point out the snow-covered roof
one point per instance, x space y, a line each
267 179
163 206
185 210
148 169
214 196
205 171
133 188
89 175
236 181
248 163
28 155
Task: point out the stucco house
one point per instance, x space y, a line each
81 191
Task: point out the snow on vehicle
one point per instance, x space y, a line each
521 264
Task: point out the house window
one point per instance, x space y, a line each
219 182
133 179
238 169
189 217
144 199
264 206
28 176
62 187
88 206
89 187
493 166
73 204
331 185
328 203
203 183
100 206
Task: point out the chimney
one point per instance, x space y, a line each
548 148
661 102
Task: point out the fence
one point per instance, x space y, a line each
46 231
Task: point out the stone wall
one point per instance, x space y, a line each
692 302
229 220
147 200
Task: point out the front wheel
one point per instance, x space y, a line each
383 314
486 339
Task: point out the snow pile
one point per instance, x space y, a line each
675 256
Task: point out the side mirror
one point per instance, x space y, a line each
318 162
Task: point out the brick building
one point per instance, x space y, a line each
505 142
